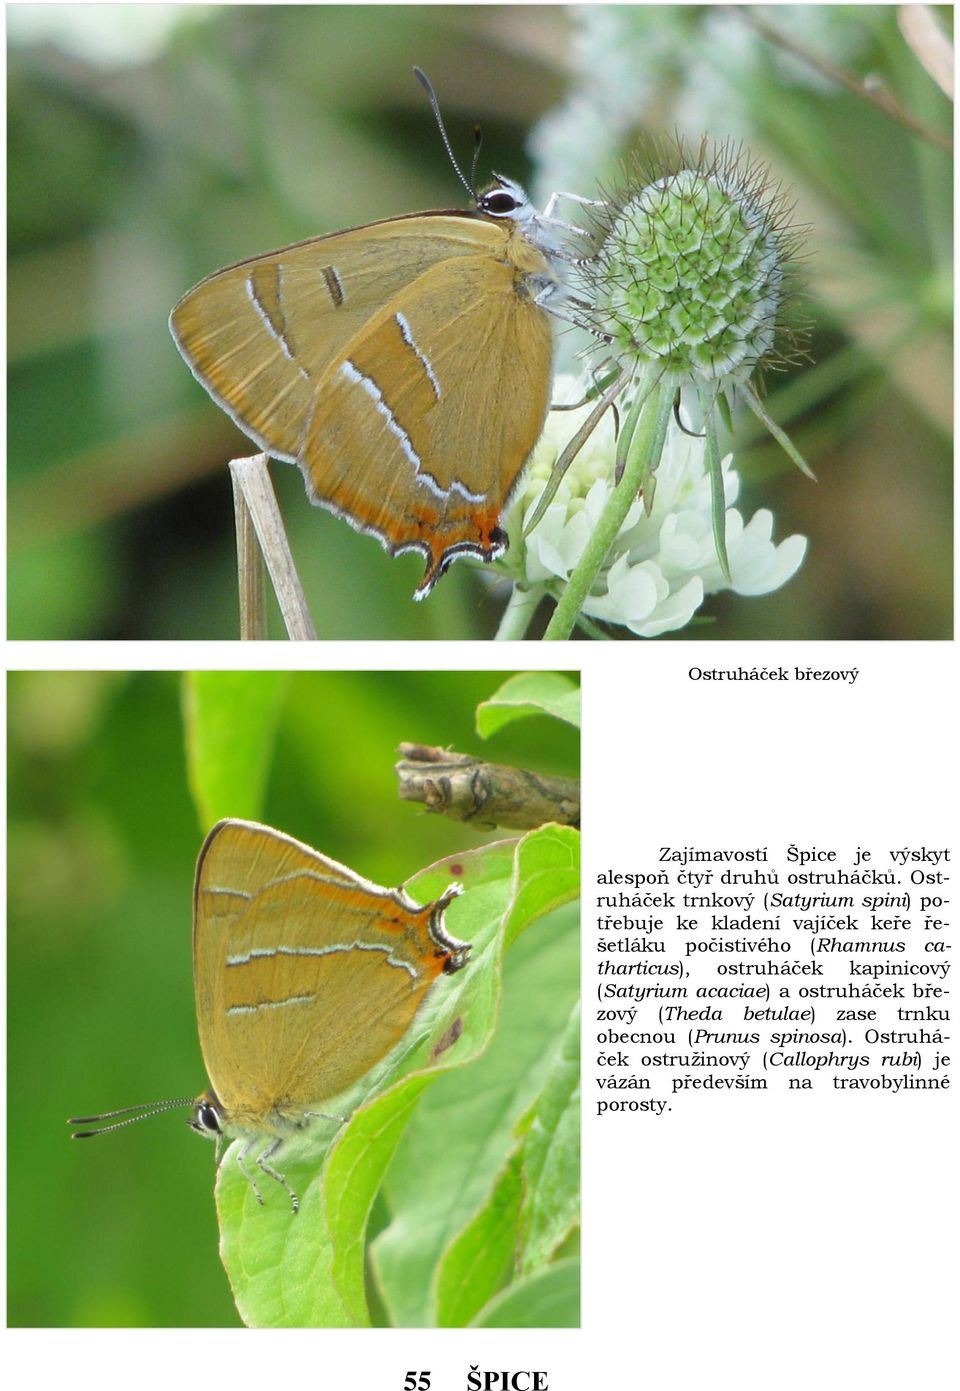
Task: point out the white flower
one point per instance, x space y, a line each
661 566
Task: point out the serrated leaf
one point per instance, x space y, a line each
231 720
530 693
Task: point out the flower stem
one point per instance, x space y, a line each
718 494
641 463
520 609
573 447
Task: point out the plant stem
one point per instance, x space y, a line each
485 794
251 571
255 503
714 466
520 609
641 463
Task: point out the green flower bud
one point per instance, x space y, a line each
689 273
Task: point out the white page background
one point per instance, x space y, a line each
754 1240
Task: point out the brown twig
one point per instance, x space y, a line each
487 794
870 90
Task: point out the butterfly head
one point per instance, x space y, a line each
207 1119
505 198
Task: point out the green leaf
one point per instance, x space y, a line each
278 1264
460 1138
354 1176
231 719
548 1299
480 1261
535 1202
546 875
309 1270
530 693
551 1158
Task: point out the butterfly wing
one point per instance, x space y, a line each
259 334
426 418
403 365
305 974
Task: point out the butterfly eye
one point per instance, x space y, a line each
499 203
205 1119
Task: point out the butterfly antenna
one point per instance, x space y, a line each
424 81
477 142
143 1112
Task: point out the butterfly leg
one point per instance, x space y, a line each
554 199
562 305
551 207
562 226
268 1169
246 1172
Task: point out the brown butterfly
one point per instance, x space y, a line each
404 365
306 976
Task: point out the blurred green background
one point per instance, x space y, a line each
103 838
149 145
